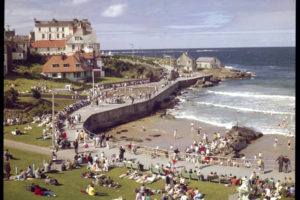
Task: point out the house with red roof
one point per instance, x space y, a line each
76 67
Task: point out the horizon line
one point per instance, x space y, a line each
137 49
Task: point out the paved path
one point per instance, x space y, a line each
146 159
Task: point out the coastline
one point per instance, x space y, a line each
150 127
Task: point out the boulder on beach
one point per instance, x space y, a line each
239 138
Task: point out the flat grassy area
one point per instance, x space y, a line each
25 84
103 80
29 137
72 183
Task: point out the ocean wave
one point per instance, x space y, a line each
205 50
181 115
252 95
246 109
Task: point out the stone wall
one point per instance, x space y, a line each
124 114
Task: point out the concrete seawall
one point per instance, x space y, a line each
106 119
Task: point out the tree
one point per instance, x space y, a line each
36 94
10 98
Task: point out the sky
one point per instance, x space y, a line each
159 24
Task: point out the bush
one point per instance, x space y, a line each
36 94
10 98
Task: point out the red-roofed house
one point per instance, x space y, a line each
48 47
77 67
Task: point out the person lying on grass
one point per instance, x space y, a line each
90 190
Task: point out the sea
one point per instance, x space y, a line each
265 103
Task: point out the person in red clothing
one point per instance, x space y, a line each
234 181
64 135
39 191
191 193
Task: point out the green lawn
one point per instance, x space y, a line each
25 84
72 183
103 80
29 137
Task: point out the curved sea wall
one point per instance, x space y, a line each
127 113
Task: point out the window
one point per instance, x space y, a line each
73 46
35 49
66 65
63 35
77 74
77 65
54 75
49 28
39 28
63 29
59 48
57 29
55 65
57 35
48 49
43 35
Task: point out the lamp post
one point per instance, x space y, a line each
93 70
132 45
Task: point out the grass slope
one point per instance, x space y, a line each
72 183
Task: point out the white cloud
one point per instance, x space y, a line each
114 10
77 2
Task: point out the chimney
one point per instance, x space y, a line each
63 56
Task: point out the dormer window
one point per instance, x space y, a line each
55 65
77 65
66 65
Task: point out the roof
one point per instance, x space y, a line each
71 60
205 59
186 55
52 23
55 22
21 39
48 43
90 37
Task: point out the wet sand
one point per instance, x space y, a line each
156 131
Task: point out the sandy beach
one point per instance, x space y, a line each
153 131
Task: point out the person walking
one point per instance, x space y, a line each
76 146
280 162
286 164
7 169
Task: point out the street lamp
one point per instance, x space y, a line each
132 45
53 129
99 70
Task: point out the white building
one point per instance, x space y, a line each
64 37
208 62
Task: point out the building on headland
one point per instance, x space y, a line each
55 37
185 63
19 45
76 67
208 62
7 65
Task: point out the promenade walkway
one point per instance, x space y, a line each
146 159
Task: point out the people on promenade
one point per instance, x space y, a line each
75 144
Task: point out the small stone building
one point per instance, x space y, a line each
185 63
208 62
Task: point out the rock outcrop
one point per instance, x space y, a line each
202 83
225 73
239 138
